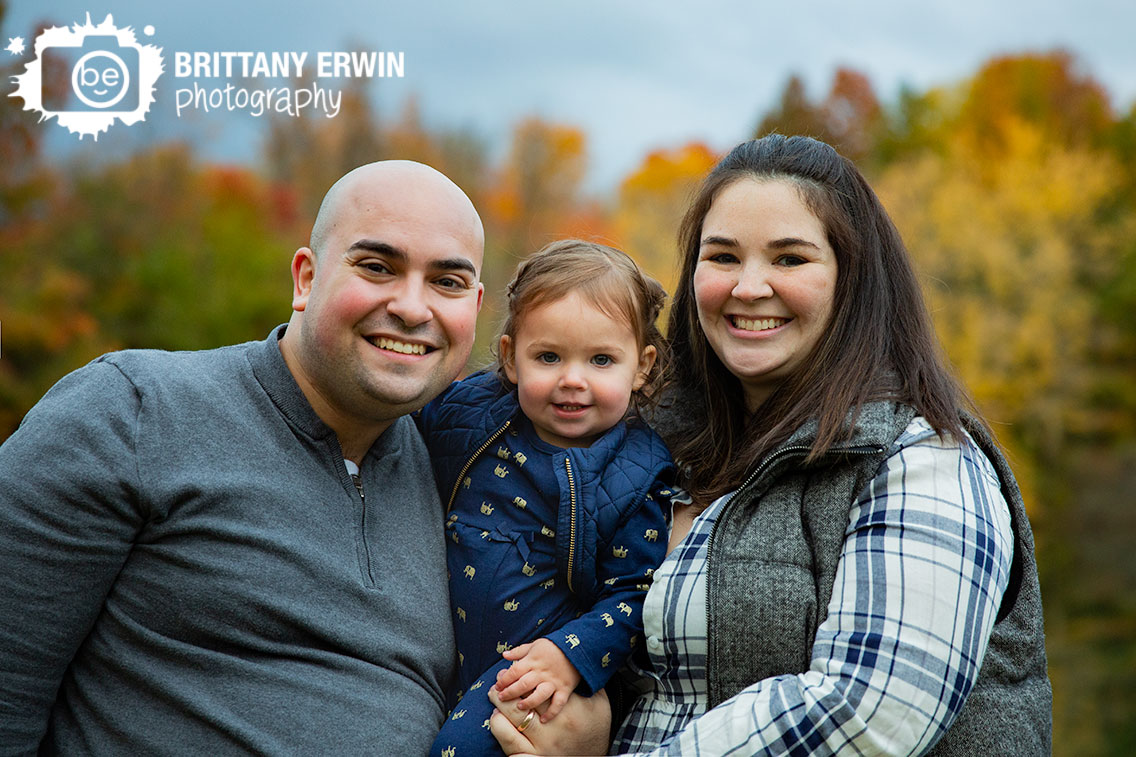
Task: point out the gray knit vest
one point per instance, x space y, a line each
772 563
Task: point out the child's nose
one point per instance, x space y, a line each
572 378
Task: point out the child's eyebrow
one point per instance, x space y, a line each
543 345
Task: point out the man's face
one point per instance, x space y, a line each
389 314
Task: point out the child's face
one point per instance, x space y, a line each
575 368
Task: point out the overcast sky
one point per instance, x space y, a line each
635 75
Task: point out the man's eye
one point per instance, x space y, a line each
548 357
602 360
451 283
375 266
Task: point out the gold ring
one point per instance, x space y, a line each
526 722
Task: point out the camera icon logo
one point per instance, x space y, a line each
104 75
111 75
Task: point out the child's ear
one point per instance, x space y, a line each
646 363
508 357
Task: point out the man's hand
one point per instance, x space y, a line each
582 729
540 671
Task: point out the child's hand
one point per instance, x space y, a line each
543 672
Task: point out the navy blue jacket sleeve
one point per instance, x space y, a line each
599 641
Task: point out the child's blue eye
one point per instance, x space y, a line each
548 357
602 360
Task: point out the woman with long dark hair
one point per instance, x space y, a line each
855 570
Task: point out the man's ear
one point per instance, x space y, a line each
480 295
508 357
646 363
303 272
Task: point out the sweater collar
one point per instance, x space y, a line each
274 376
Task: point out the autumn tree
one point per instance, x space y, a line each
651 202
155 251
850 117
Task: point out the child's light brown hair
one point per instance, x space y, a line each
607 278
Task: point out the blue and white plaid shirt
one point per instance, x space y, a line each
925 562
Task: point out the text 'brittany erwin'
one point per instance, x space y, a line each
328 64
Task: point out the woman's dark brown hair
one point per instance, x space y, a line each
879 343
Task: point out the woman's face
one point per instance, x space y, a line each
764 282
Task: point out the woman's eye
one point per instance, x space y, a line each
602 360
791 260
722 257
547 357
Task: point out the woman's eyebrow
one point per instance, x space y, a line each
778 244
719 241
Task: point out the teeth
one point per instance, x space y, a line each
403 347
570 407
761 324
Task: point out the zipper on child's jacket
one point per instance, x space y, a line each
465 468
358 481
571 520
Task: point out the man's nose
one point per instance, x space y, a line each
408 304
753 282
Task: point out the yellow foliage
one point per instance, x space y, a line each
651 203
1002 243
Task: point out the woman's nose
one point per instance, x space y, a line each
753 283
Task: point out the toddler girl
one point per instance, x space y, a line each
555 488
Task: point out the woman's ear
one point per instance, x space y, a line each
646 362
508 357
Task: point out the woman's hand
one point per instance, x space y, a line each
583 727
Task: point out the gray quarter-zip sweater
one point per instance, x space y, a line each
186 567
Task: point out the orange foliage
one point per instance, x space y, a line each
651 203
1047 90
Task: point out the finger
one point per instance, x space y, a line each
559 699
538 696
519 688
508 676
512 741
517 652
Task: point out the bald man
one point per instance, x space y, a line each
240 550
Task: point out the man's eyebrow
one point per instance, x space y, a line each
400 255
380 247
454 264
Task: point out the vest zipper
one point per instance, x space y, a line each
762 467
465 468
358 481
571 520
